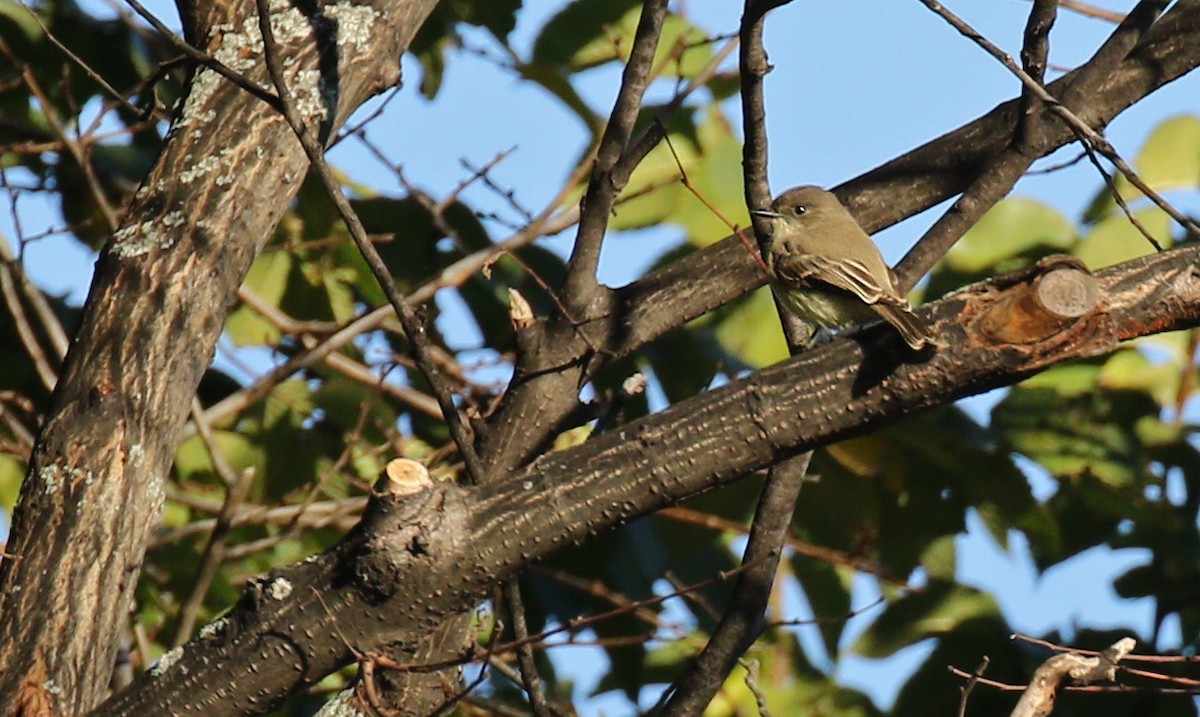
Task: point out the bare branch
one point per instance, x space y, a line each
413 328
606 181
742 621
1089 136
205 59
1038 698
829 393
1089 10
530 678
237 486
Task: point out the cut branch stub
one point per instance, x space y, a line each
1061 293
403 476
403 525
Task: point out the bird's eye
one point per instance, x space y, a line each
800 209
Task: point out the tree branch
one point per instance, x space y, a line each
741 623
375 589
998 176
157 303
907 185
606 182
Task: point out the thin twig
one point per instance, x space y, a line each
205 59
567 626
453 275
315 515
11 278
1089 10
76 149
607 180
529 671
1000 174
413 328
95 76
966 689
236 488
734 228
304 331
760 697
1082 129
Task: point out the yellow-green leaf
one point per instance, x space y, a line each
1010 228
1115 239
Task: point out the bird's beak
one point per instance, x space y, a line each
768 213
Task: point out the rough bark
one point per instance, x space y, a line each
897 189
161 292
376 588
160 296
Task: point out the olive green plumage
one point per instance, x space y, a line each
827 270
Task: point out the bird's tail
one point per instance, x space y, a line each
912 328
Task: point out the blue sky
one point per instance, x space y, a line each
855 84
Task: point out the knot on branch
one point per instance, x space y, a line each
1054 296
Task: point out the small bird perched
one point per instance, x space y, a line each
828 271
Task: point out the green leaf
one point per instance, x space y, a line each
1076 436
681 51
940 559
578 25
268 277
940 608
439 32
193 462
12 472
1168 160
893 495
1012 235
712 164
498 17
20 15
682 379
789 686
1170 157
827 588
1131 369
1008 230
1115 239
751 331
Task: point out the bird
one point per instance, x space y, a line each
828 272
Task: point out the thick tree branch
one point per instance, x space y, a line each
558 358
442 549
1000 175
158 302
144 386
940 169
1034 124
1128 33
1008 167
907 185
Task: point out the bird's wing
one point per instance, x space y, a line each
848 275
804 270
